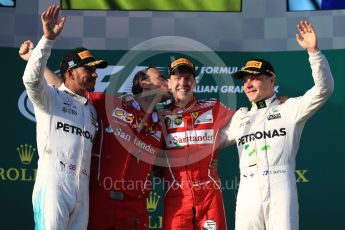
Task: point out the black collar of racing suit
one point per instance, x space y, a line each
79 98
263 103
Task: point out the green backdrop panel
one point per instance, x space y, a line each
164 5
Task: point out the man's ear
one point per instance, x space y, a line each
169 84
273 79
69 75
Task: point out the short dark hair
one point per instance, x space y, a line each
138 77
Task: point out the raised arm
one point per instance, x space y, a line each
323 87
25 51
37 88
307 37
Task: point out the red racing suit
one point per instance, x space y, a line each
193 198
121 163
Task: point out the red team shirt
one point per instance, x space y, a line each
123 156
121 163
193 192
118 143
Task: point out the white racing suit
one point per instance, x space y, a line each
267 139
66 126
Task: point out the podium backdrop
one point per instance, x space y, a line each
320 159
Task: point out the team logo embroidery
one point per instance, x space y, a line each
123 115
173 121
69 106
167 121
71 64
177 120
245 123
275 114
261 104
255 64
210 225
194 115
68 101
69 110
191 137
205 118
275 109
84 54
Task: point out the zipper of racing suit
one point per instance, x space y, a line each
165 133
189 179
209 169
84 107
267 167
190 185
99 155
267 162
219 186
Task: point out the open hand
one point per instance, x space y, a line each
52 25
307 38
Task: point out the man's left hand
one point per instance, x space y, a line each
307 38
52 25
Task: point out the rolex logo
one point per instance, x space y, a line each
26 152
152 202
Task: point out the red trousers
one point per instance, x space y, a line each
107 213
208 211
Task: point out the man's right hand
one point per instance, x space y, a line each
25 50
51 24
307 38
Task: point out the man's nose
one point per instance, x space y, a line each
248 80
247 83
182 81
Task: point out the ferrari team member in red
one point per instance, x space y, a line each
125 148
193 198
